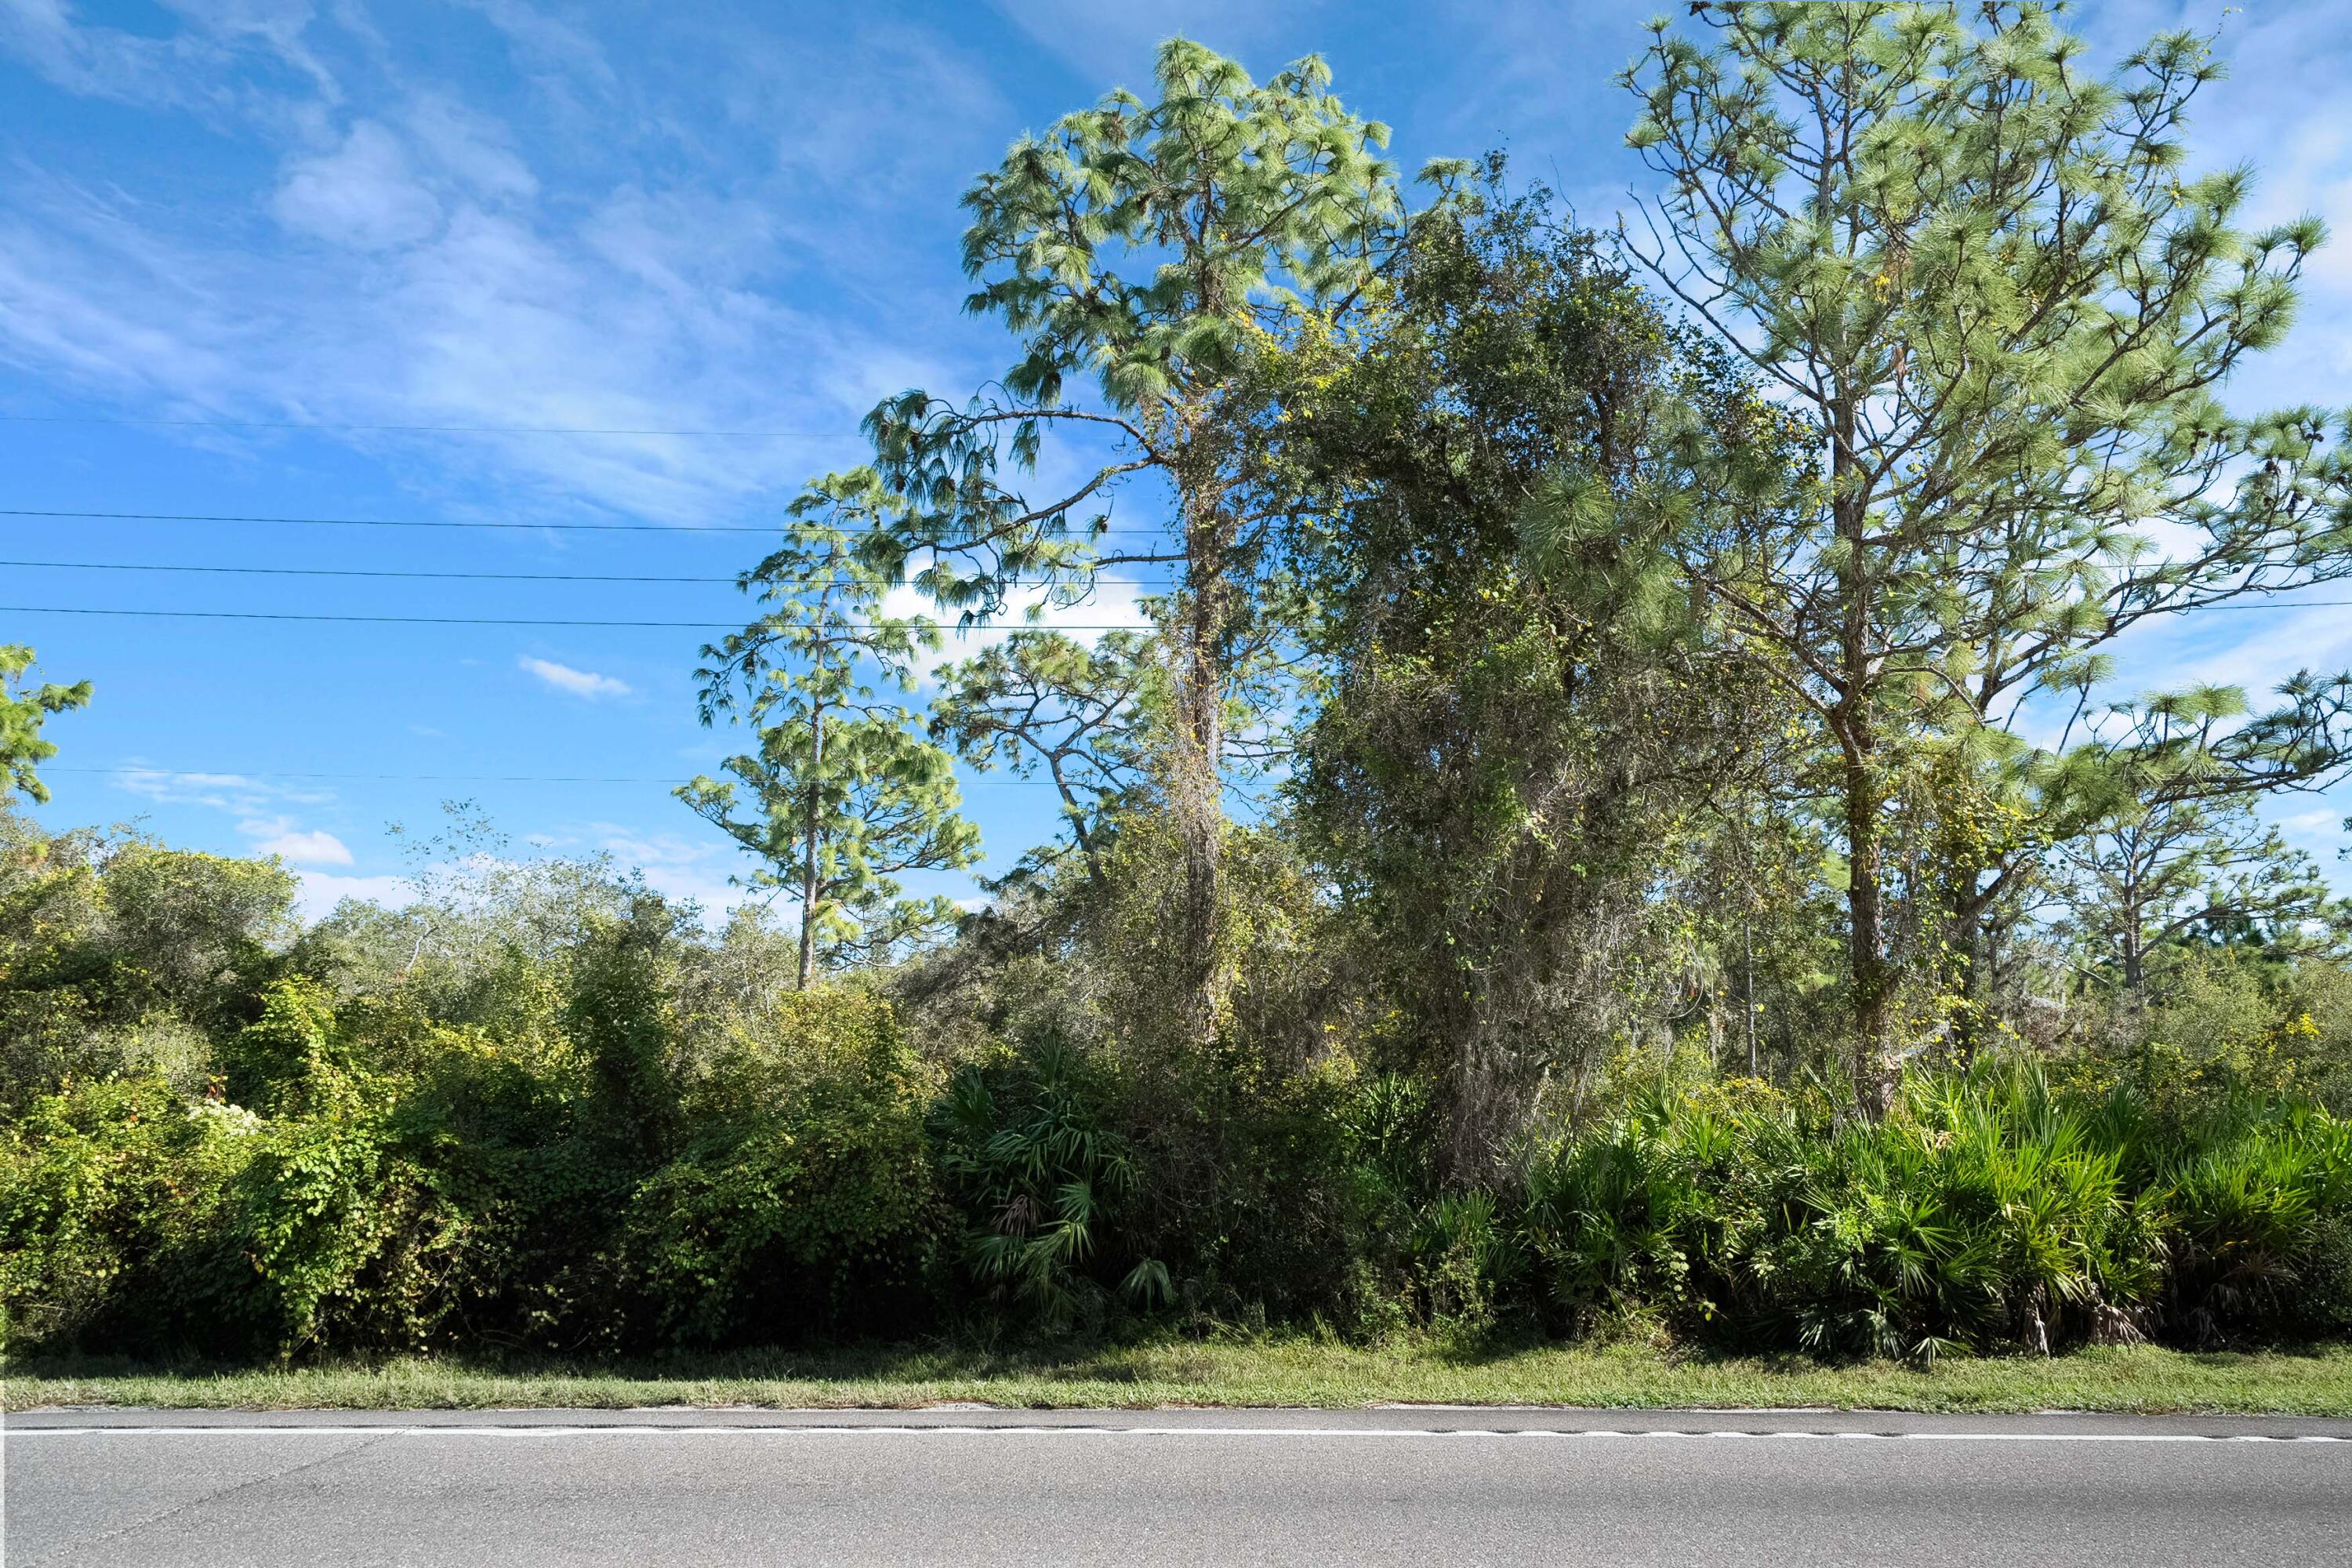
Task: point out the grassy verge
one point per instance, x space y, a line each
1271 1372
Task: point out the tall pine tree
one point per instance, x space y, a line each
1138 250
1982 279
842 796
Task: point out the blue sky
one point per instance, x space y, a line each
290 257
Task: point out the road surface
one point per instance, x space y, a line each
1418 1485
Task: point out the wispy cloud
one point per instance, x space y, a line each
320 892
181 69
312 848
434 275
362 194
578 683
679 868
264 809
223 792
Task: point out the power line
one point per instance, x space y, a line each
227 778
422 429
444 522
1007 625
395 523
505 621
458 576
353 572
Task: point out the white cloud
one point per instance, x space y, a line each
221 792
2253 648
362 194
545 44
1115 605
320 892
471 148
132 67
678 869
445 293
157 328
312 849
579 682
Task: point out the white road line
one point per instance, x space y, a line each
1444 1434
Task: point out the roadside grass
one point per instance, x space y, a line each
1263 1371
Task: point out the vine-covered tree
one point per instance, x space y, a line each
1139 251
1528 744
1983 278
23 709
841 797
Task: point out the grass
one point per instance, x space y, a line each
1291 1371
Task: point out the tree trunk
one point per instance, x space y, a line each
1196 781
1854 722
1078 820
808 851
1866 936
1747 973
1973 962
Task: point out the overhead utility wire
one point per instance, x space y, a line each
425 522
457 576
422 429
227 773
505 621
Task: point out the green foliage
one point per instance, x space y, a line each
1980 278
116 954
1989 1210
23 709
805 1200
2259 1239
109 1196
1656 919
1025 1146
1518 783
847 798
1152 249
1224 198
585 1164
1040 702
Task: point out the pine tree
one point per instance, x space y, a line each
22 710
1980 278
1145 249
2158 839
842 796
1041 701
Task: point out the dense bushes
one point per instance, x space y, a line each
830 1184
551 1113
806 1199
1987 1211
380 1179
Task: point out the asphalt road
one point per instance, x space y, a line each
1419 1485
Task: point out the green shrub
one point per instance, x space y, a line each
110 1196
1985 1211
1043 1184
2257 1226
806 1203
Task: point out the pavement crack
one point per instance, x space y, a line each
78 1547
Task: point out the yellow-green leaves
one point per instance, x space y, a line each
23 711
